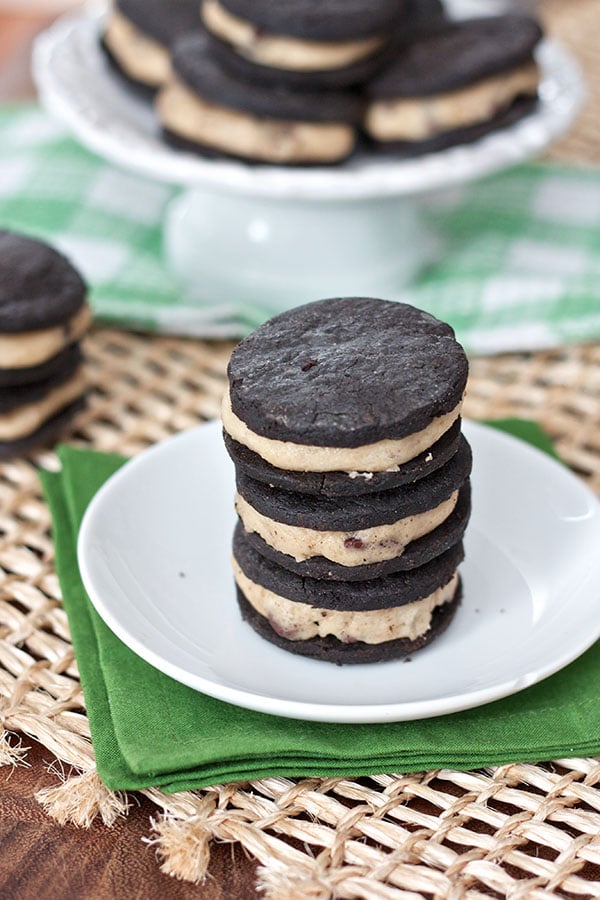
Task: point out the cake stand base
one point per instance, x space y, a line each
232 248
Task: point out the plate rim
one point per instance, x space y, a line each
333 713
380 178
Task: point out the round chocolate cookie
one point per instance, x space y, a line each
18 383
417 553
358 512
347 76
520 108
424 17
345 484
39 288
327 20
330 649
200 72
346 372
17 396
472 50
163 20
10 378
381 593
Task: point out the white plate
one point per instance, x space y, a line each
154 556
75 83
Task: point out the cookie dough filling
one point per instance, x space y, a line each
238 133
31 348
348 548
283 52
418 119
140 56
386 455
25 420
300 621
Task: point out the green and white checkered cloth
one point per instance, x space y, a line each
520 269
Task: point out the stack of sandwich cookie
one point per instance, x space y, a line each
353 495
139 33
489 80
43 315
206 109
330 44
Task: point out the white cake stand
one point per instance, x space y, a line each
280 236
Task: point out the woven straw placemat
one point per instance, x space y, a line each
520 831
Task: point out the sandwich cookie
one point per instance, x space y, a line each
345 385
43 312
206 109
352 531
488 81
330 44
138 35
418 552
346 622
33 414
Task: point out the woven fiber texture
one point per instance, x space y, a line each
523 831
519 831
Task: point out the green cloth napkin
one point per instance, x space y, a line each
150 730
519 267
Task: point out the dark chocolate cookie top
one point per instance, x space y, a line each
346 372
321 20
470 50
39 288
194 64
163 20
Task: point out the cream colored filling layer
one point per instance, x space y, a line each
31 348
280 51
382 456
143 58
232 131
348 548
26 420
425 117
301 622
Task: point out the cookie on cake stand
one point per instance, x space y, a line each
273 235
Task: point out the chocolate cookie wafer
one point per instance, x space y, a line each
345 385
